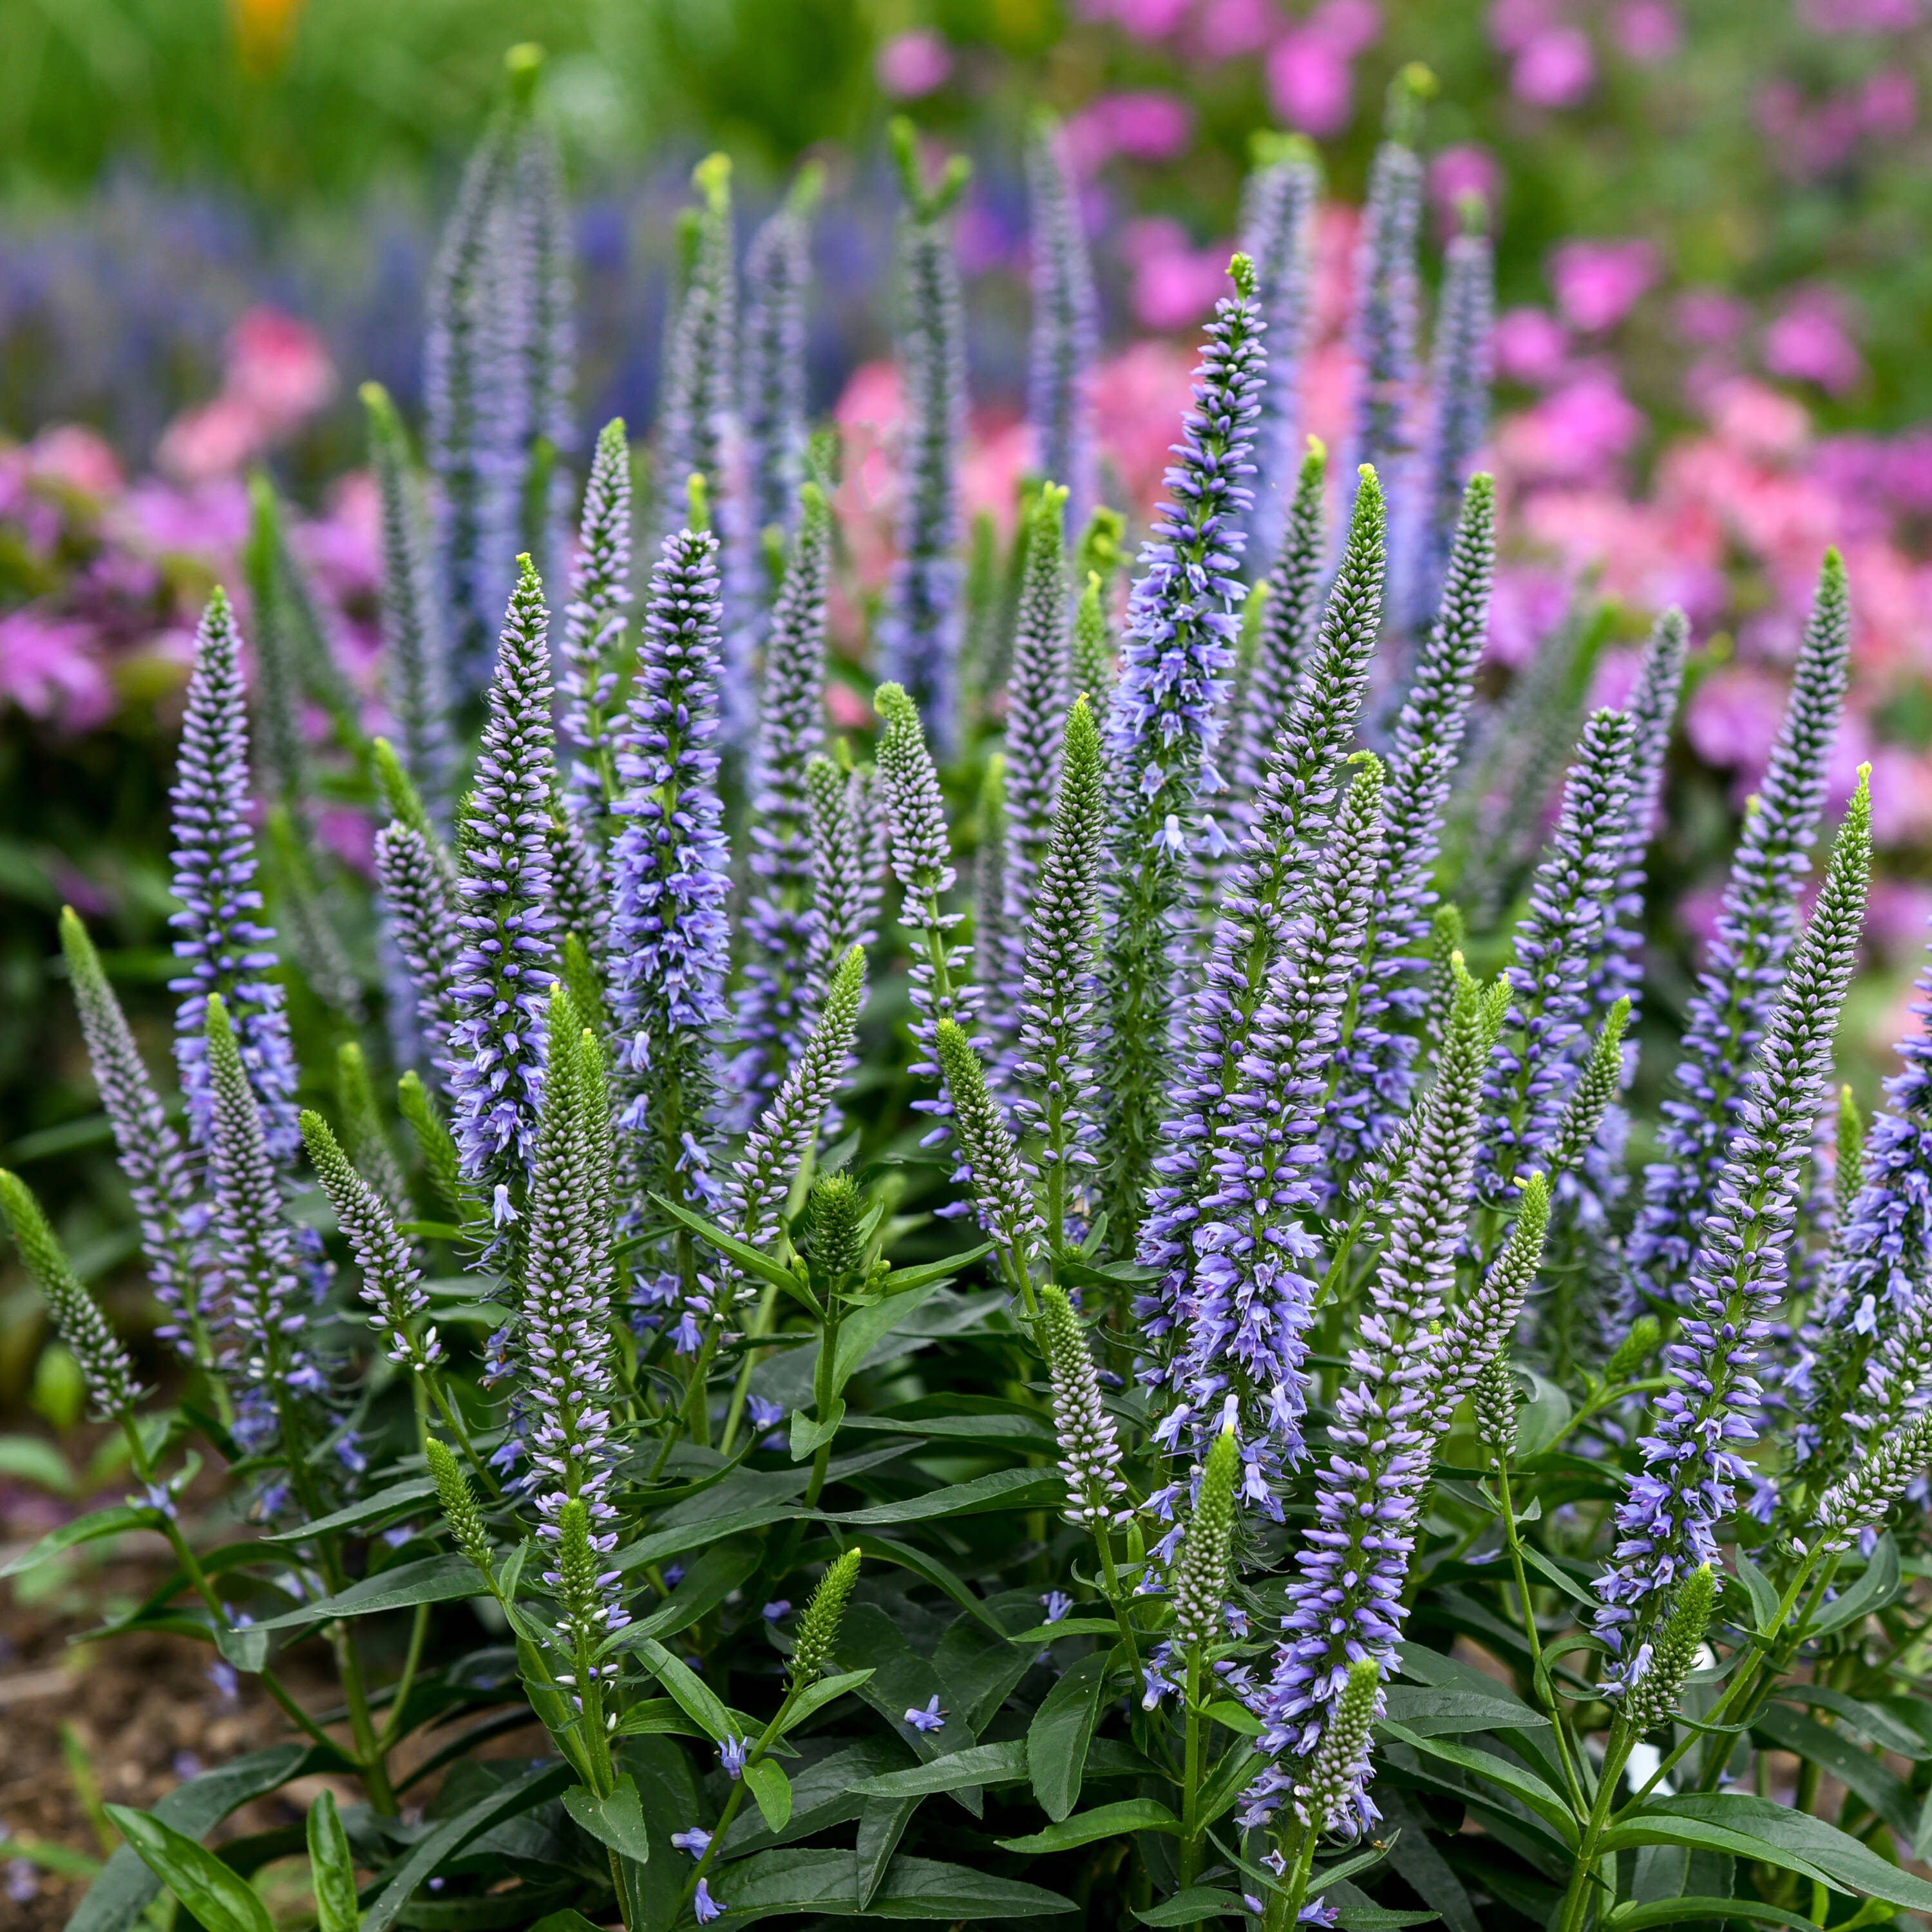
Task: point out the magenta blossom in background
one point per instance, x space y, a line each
912 65
1528 604
1733 716
1556 68
1811 343
1710 318
1174 283
1579 432
1529 345
1648 30
1144 19
275 374
1457 173
1310 83
1514 24
1229 28
1145 126
1598 283
49 669
1859 16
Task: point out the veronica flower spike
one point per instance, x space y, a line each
1037 701
1290 822
503 975
224 948
1278 207
1370 1077
780 920
1387 321
159 1179
922 858
1238 1306
416 667
920 634
698 422
595 661
1059 992
1345 1601
670 869
1756 926
1667 1525
1065 323
778 273
1161 729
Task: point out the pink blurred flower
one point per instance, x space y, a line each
1598 283
1811 342
1310 84
1889 107
1175 284
1229 28
342 547
849 711
206 520
1529 345
78 457
278 367
49 668
1709 317
1555 68
1144 19
1527 605
1145 126
1896 915
1308 77
1733 715
1138 397
998 455
1648 30
1758 420
1514 24
1456 174
276 373
1858 16
1576 433
910 65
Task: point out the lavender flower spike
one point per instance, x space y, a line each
391 1282
423 906
1278 205
1065 323
260 1273
106 1368
1345 1602
774 1008
778 270
595 659
416 667
1386 320
1090 1451
670 869
1240 1296
990 1159
1569 902
223 945
1037 701
1732 1003
565 1336
922 855
1290 823
496 1045
920 637
846 864
697 420
1459 410
1058 991
1668 1524
1161 727
1371 1076
149 1151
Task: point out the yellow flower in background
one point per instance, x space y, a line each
264 31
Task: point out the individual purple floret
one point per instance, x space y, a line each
223 947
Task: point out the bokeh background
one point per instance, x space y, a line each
1714 357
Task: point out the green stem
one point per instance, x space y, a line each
1190 1774
761 1324
1576 1899
755 1755
1103 1541
452 1419
392 1727
1290 1901
824 1378
1538 1677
